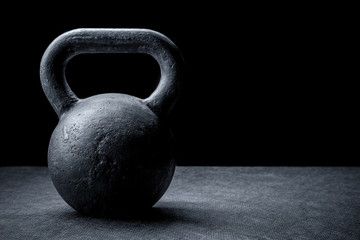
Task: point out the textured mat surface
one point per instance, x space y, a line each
201 203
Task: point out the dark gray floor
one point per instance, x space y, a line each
201 203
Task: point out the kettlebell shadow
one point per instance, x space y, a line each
154 215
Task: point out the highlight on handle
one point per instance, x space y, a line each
103 40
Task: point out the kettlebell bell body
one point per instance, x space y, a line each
111 153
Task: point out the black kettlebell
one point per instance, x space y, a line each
111 153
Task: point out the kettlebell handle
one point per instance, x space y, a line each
102 40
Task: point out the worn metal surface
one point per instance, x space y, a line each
113 152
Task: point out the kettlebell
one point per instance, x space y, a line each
111 153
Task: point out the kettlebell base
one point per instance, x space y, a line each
125 212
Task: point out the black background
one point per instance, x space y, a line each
265 85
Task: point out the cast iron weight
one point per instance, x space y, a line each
111 153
